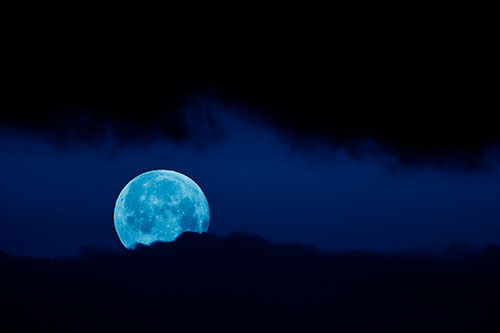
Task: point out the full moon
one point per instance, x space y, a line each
158 206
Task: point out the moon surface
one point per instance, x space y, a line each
158 206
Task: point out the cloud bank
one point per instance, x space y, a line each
422 101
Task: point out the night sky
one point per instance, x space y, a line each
358 153
350 157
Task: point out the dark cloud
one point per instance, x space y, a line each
421 95
242 282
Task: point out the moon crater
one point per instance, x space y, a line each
159 205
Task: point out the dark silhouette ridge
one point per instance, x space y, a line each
241 282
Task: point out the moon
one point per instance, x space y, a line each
158 206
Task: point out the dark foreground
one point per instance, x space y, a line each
243 283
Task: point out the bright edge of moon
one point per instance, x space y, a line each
158 206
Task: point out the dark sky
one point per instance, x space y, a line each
380 139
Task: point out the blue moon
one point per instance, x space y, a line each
158 206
